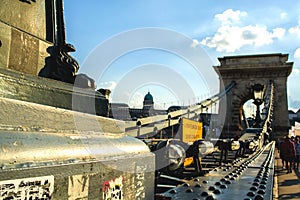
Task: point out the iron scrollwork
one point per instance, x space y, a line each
60 65
63 67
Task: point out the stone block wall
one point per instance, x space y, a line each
24 36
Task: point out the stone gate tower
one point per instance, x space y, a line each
247 71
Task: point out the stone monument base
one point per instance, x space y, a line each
19 86
65 154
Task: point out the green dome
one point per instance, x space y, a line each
148 97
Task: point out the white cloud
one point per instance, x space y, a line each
283 15
108 85
230 37
278 33
295 30
297 53
229 16
195 43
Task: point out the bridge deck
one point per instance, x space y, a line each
247 178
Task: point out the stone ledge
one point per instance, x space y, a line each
16 85
21 115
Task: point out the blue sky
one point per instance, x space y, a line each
217 28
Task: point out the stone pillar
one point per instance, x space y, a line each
33 45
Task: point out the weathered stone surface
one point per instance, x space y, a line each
25 35
20 51
79 163
42 55
30 18
28 116
24 52
5 38
30 45
138 185
16 85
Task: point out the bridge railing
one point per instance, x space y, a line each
269 102
148 126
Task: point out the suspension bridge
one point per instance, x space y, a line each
56 146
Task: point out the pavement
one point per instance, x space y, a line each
286 186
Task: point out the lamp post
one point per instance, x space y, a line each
258 91
60 65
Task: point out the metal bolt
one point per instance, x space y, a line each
210 198
217 183
173 192
223 179
251 194
263 182
223 186
204 194
217 191
262 187
211 188
258 197
189 190
261 192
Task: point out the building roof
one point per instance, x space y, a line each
148 97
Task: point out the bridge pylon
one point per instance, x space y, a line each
247 71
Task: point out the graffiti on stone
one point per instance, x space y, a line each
139 182
78 187
113 189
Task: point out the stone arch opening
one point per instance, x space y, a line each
249 109
245 97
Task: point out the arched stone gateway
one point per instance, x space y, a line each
247 71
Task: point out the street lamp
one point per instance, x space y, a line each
258 91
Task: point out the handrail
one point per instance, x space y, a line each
149 125
269 98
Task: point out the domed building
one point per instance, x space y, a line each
122 111
148 103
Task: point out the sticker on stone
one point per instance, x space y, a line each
27 188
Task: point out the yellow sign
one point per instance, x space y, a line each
191 130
